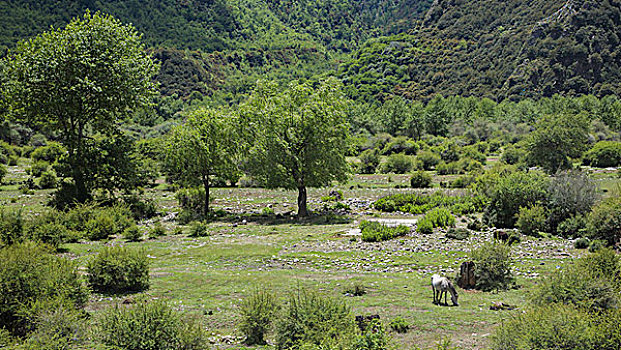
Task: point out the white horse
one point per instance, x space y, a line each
441 285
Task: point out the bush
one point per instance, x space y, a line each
119 270
399 325
49 153
440 217
400 145
373 338
199 229
604 222
510 193
150 326
257 313
512 155
420 179
570 194
356 289
373 231
57 325
141 208
417 203
397 163
51 233
458 233
157 230
532 220
492 266
582 243
427 160
424 226
38 168
48 180
574 226
604 154
3 172
369 160
314 319
12 224
132 234
192 203
30 274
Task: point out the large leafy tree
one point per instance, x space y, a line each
300 136
80 81
202 148
557 138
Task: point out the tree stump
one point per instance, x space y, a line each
465 278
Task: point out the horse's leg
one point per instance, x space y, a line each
434 294
445 293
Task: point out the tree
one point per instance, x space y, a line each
200 149
557 138
80 81
301 136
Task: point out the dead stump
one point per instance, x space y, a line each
465 278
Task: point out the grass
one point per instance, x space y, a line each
210 275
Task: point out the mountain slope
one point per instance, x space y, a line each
498 49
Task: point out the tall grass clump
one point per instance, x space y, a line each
119 270
373 231
257 313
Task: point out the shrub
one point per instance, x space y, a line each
448 168
458 233
29 273
582 243
596 245
417 203
440 217
424 226
12 224
119 270
397 163
512 155
57 325
399 325
141 208
132 234
427 160
532 220
3 172
48 180
400 145
373 231
574 226
450 152
49 153
510 193
492 266
38 168
463 181
591 282
373 338
604 222
604 154
157 230
51 233
100 228
570 193
356 289
192 203
420 179
314 319
199 229
13 160
257 313
150 326
369 160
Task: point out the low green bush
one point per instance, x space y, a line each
310 318
397 163
150 326
604 154
355 289
399 325
373 231
416 203
132 233
582 243
492 262
37 168
532 220
3 172
49 153
31 275
420 179
12 225
424 226
373 338
157 230
48 180
604 222
458 233
369 161
400 145
257 313
512 155
427 160
440 217
119 270
199 229
192 204
51 233
574 226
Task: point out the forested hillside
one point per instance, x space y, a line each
497 49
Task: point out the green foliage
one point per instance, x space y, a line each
400 145
458 233
202 148
532 220
574 226
355 289
604 222
132 234
192 203
56 326
48 153
512 192
38 167
417 203
399 325
3 172
48 180
427 160
303 136
373 338
150 326
369 160
492 262
51 233
314 319
199 229
157 230
570 194
53 71
439 217
12 224
397 163
604 154
31 275
119 270
512 155
257 312
582 243
420 179
424 226
556 139
373 231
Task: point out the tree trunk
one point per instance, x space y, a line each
302 210
206 209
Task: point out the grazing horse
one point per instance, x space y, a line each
441 285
